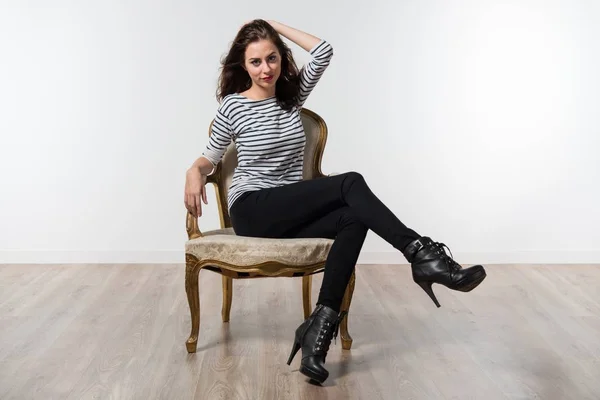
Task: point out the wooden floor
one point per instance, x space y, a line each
119 332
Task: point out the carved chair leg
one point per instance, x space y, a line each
306 292
345 336
192 272
227 294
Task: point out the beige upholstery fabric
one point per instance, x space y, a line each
225 246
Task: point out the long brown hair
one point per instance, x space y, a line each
235 79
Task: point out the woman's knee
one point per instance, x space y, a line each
353 182
354 176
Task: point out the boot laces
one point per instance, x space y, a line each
325 334
439 249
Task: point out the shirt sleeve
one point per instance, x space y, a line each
221 135
312 72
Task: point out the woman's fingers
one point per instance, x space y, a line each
190 204
204 195
198 205
193 198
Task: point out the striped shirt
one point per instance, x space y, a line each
269 140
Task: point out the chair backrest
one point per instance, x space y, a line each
316 137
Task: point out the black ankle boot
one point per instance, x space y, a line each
430 264
314 337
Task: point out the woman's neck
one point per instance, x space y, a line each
255 93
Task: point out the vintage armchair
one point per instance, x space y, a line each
238 257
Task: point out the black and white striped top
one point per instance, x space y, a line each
269 140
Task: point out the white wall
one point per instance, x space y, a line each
475 121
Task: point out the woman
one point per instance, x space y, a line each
261 93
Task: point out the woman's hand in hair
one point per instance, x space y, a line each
302 39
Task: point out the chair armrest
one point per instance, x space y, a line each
191 226
191 223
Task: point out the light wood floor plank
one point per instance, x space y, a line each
119 331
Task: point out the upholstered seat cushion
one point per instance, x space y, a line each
225 246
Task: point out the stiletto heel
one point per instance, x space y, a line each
430 264
314 337
294 351
426 286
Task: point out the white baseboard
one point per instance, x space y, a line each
384 257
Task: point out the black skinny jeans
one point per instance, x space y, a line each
340 207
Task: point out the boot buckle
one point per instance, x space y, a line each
420 246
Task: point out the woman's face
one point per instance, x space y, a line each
263 63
